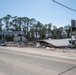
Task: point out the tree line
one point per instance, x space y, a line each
33 29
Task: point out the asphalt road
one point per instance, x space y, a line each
22 63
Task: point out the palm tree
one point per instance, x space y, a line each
32 33
42 32
49 29
67 30
1 24
33 23
26 21
15 23
54 32
38 27
20 23
61 32
6 20
11 26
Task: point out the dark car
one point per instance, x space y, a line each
3 43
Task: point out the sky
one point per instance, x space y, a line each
45 11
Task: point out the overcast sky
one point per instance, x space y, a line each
45 11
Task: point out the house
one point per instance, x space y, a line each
55 43
15 33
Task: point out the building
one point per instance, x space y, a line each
15 33
55 43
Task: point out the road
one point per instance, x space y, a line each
23 63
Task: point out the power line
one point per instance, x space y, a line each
64 6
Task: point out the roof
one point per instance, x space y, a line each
58 42
14 32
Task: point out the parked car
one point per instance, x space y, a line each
3 43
